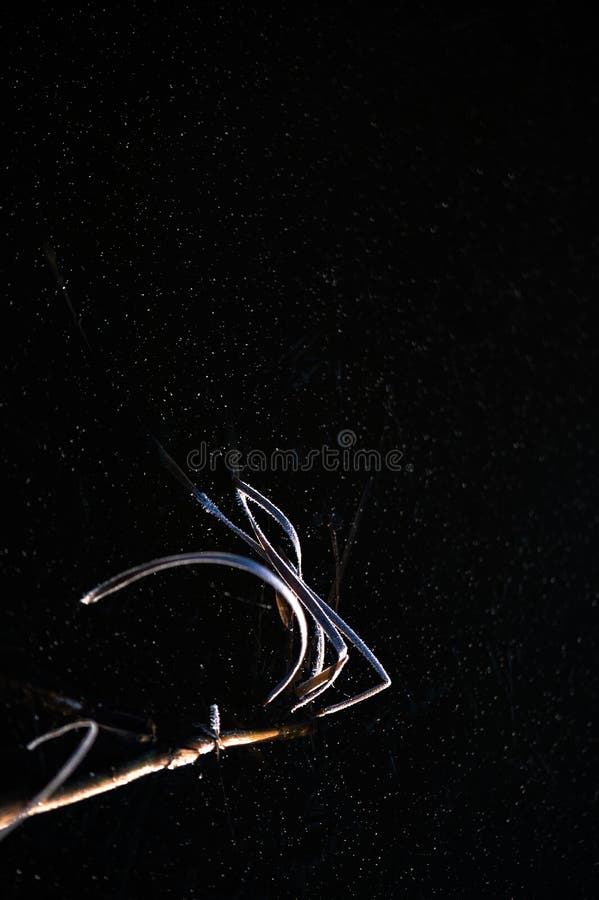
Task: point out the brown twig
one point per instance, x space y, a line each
341 566
335 588
154 761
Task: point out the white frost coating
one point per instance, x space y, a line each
63 773
327 622
118 582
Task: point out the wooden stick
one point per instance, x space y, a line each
154 761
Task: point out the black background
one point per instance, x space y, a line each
274 227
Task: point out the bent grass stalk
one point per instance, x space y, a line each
288 583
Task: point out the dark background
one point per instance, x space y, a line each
273 227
